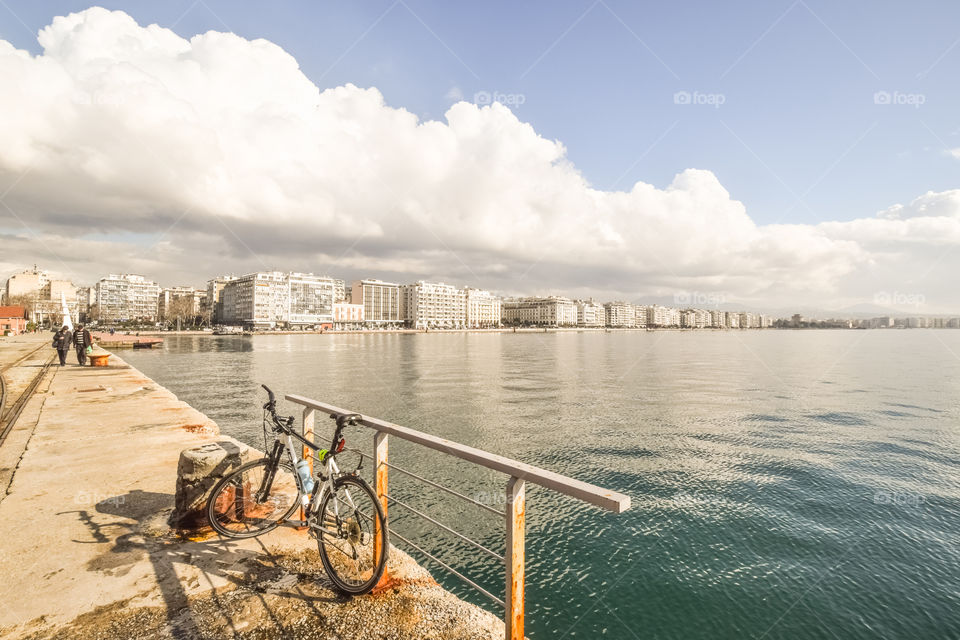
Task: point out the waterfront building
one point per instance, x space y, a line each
347 315
658 316
339 290
311 299
484 309
258 300
380 300
272 299
695 318
620 314
215 297
433 305
640 316
127 296
733 320
749 320
552 311
590 314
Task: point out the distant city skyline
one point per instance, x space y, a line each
780 157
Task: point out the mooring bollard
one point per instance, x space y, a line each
198 470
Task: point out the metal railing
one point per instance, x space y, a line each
515 516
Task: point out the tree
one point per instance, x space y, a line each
181 308
26 300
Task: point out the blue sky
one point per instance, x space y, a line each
798 137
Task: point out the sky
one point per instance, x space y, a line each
754 154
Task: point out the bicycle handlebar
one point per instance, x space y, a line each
273 400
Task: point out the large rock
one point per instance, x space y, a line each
198 470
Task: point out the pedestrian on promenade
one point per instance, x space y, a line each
61 342
81 340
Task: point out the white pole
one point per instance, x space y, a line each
66 312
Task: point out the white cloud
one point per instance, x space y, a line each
954 153
225 152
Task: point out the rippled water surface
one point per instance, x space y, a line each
784 484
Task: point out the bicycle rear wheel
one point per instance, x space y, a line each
254 499
352 536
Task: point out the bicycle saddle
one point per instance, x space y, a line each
345 419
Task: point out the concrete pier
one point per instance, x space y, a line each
86 552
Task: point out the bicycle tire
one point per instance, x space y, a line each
249 527
334 556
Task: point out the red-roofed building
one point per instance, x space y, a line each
13 320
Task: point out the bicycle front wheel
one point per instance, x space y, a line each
352 536
254 499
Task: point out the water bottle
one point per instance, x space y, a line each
303 470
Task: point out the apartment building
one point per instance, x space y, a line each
339 290
640 316
658 316
718 319
695 318
215 297
28 282
620 314
271 299
258 300
552 311
749 320
590 314
380 300
484 309
433 305
127 296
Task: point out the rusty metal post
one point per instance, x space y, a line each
307 454
380 446
516 523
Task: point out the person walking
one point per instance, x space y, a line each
81 340
61 342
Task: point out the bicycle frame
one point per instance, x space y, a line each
323 479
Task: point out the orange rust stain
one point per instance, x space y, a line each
381 489
517 578
194 428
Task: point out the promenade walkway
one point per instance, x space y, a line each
85 551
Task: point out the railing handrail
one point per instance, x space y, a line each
598 496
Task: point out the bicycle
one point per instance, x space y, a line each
340 509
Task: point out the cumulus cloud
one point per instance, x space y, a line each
184 158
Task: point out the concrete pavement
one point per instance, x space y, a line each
85 550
